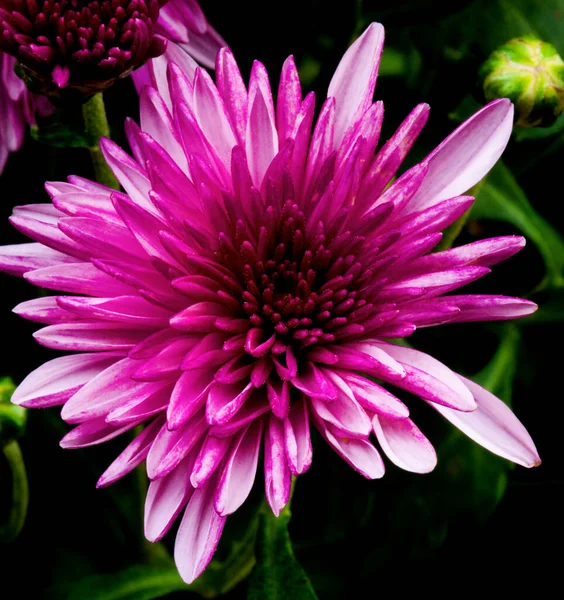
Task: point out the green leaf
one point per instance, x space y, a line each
139 582
61 135
551 307
277 575
487 24
468 481
501 198
498 375
145 582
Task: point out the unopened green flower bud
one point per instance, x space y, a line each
531 74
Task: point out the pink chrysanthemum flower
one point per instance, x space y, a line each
87 44
244 287
18 108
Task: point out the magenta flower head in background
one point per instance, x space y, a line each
243 288
85 47
18 108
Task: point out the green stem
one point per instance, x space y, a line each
20 492
451 233
96 126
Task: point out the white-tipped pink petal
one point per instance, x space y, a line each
466 155
166 497
56 381
261 138
107 390
133 455
404 444
198 534
297 437
239 472
359 454
354 81
494 426
430 379
277 475
209 458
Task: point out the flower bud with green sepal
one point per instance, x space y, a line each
530 73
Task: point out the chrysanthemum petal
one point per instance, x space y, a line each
198 534
238 475
277 475
354 81
465 157
107 390
494 426
56 381
170 447
359 454
375 398
18 259
209 458
133 455
232 88
165 499
297 437
404 444
430 379
261 139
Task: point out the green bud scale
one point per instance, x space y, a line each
531 74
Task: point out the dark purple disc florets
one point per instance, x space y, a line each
300 288
81 44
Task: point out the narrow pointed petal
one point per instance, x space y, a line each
261 139
133 455
354 81
375 398
430 379
171 447
466 155
166 497
56 381
297 437
209 458
277 475
239 472
494 426
198 534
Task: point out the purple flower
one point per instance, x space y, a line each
244 287
81 45
18 108
87 45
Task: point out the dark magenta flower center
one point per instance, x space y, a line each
299 290
78 42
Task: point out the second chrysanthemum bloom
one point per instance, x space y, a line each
245 286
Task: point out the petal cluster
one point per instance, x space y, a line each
244 286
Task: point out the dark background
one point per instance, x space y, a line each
441 533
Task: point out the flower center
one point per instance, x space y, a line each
298 291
